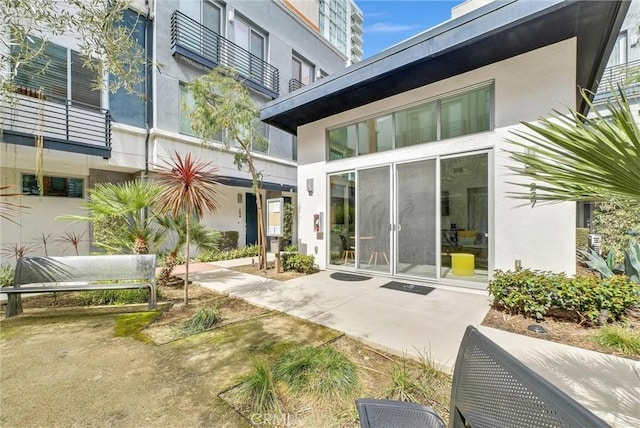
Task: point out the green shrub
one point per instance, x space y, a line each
298 263
214 256
203 320
534 293
320 372
582 238
229 240
117 297
293 248
620 339
6 275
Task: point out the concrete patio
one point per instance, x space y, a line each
433 324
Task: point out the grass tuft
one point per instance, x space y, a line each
321 372
203 320
619 339
259 386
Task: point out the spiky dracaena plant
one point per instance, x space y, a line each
188 187
201 236
578 158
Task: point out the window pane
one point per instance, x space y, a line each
125 107
416 125
375 135
186 104
82 82
342 217
342 142
47 71
54 186
466 113
465 217
211 17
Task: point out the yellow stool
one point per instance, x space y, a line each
462 264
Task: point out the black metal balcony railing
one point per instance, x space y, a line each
295 84
64 124
623 74
194 41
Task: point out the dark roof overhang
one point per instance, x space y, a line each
495 32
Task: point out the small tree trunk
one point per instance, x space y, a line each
186 266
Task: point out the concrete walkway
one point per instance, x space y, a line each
433 324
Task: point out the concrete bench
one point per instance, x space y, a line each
491 388
80 273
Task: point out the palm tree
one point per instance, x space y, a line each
579 158
203 237
189 187
122 216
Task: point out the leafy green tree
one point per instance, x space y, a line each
578 158
223 105
188 188
203 237
122 216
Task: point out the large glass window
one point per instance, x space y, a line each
465 217
129 108
51 70
454 116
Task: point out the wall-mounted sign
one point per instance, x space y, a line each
275 216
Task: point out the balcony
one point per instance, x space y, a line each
204 46
65 125
295 84
622 75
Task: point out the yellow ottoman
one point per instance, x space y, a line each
462 264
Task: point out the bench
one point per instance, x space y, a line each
491 388
80 273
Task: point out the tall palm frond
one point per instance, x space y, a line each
201 236
580 158
189 187
122 216
8 208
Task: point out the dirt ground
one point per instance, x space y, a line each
562 331
67 365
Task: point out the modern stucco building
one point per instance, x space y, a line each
91 136
401 158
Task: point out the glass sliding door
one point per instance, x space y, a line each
465 217
374 220
416 219
342 219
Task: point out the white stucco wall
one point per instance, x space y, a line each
36 215
526 87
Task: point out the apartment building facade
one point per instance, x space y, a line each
92 137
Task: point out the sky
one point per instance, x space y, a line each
388 22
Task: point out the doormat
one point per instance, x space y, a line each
341 276
410 288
